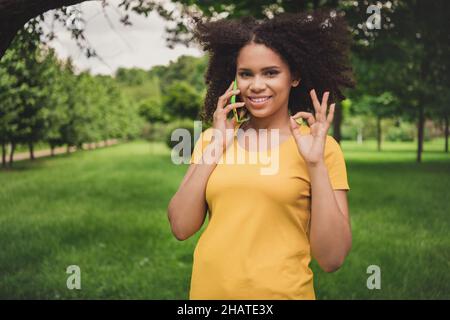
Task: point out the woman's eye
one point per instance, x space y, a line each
272 73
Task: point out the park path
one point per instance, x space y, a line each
47 152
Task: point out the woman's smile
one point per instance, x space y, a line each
259 101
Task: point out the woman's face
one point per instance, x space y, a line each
264 80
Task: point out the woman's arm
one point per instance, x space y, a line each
330 230
187 208
330 233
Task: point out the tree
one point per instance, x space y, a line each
182 101
413 36
55 104
179 33
14 14
152 110
132 76
9 99
25 64
422 35
375 94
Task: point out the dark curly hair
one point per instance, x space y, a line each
315 45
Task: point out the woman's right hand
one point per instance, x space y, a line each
220 122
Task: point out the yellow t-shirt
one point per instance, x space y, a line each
256 243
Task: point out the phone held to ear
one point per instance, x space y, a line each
233 100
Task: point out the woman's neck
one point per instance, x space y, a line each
279 120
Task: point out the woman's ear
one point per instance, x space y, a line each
296 80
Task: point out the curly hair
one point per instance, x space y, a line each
315 45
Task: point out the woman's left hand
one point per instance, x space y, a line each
311 146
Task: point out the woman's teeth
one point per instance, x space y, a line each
259 100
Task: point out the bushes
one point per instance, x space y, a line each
391 129
353 124
179 124
155 132
401 133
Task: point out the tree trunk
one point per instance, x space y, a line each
420 128
31 149
337 123
3 154
11 154
446 133
359 136
379 137
52 150
424 73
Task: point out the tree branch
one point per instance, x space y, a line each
15 13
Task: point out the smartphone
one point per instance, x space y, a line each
233 100
299 121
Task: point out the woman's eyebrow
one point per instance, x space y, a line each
265 68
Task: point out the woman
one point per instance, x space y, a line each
264 229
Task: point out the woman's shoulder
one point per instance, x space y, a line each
331 144
206 134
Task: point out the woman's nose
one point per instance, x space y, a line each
257 84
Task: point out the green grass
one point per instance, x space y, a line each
105 211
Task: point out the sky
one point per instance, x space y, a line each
141 45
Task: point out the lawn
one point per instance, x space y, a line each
105 211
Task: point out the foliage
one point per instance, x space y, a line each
182 101
44 100
179 124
